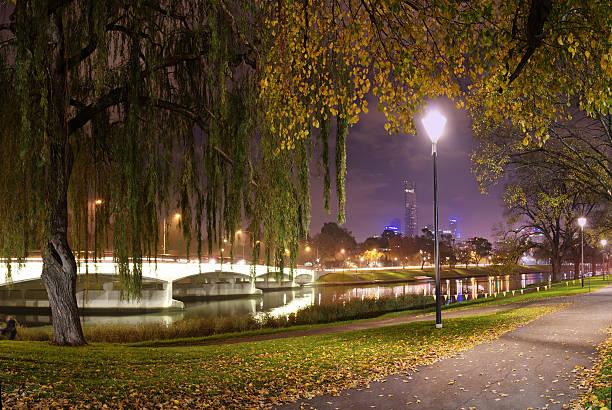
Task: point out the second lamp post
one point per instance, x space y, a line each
434 125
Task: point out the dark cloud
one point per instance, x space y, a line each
378 163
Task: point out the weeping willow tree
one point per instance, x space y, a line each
115 113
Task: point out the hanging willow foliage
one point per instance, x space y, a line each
117 114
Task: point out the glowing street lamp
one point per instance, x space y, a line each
604 243
177 217
98 202
582 222
434 123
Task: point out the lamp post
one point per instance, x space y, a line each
239 232
177 216
603 245
97 203
582 222
434 125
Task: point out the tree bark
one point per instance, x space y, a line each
576 268
59 266
59 276
555 262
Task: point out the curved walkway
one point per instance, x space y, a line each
532 367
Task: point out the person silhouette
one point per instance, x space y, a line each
10 330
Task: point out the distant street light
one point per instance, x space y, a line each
603 245
582 222
239 232
177 216
97 203
434 125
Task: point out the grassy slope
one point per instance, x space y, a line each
398 274
237 375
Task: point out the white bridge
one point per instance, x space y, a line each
163 280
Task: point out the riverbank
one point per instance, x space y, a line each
394 275
238 375
309 320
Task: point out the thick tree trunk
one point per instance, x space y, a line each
60 273
555 262
59 276
59 266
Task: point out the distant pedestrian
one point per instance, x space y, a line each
10 330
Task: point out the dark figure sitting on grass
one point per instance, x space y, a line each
10 330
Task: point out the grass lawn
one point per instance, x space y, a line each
238 375
597 381
398 274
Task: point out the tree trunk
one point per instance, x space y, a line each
576 268
60 271
59 266
59 276
555 262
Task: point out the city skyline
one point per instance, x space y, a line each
377 167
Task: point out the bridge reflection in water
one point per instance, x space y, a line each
289 300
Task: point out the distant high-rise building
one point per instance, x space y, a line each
396 222
410 211
452 227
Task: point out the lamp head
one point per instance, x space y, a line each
604 242
582 221
434 125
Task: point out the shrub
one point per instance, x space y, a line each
207 326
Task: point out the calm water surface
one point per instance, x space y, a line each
288 301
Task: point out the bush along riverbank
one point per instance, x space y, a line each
209 326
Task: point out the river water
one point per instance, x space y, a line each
285 302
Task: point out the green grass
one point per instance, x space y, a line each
239 375
400 274
597 381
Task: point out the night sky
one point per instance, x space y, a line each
378 163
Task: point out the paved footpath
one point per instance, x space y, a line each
530 367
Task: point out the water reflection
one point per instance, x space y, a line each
288 301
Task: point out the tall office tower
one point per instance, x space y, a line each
452 227
410 211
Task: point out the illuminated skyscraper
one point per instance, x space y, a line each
452 227
410 211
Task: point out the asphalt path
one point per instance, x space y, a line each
532 367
